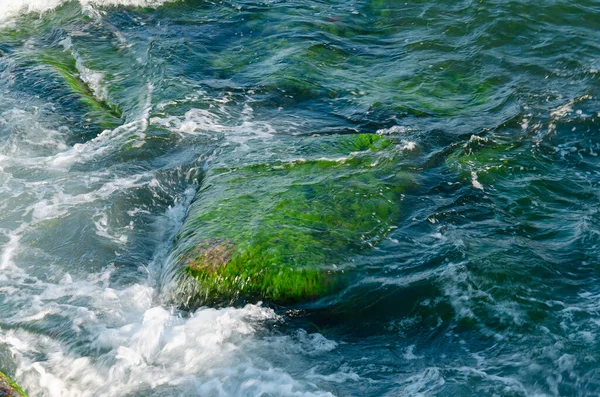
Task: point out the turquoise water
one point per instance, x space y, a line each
112 112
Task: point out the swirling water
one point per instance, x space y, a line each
111 110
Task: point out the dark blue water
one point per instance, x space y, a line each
112 111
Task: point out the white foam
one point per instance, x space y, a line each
60 203
407 145
133 133
195 121
409 353
12 8
562 110
29 138
475 182
397 129
10 248
567 108
425 383
103 230
145 347
208 123
93 79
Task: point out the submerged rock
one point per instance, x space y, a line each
484 160
8 388
73 89
283 231
61 86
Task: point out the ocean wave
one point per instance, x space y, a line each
12 8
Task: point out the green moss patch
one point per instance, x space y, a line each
283 231
99 110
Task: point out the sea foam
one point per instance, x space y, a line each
11 8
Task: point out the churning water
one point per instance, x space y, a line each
112 110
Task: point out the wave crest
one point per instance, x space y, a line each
12 9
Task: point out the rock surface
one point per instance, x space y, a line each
8 388
284 231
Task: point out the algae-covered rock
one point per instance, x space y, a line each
282 231
8 388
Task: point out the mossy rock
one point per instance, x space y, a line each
283 231
8 388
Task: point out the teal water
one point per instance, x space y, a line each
111 113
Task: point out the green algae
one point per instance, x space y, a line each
486 159
99 110
8 387
448 93
283 231
45 69
336 145
295 69
330 59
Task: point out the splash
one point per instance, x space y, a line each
12 8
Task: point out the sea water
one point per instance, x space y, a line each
112 110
